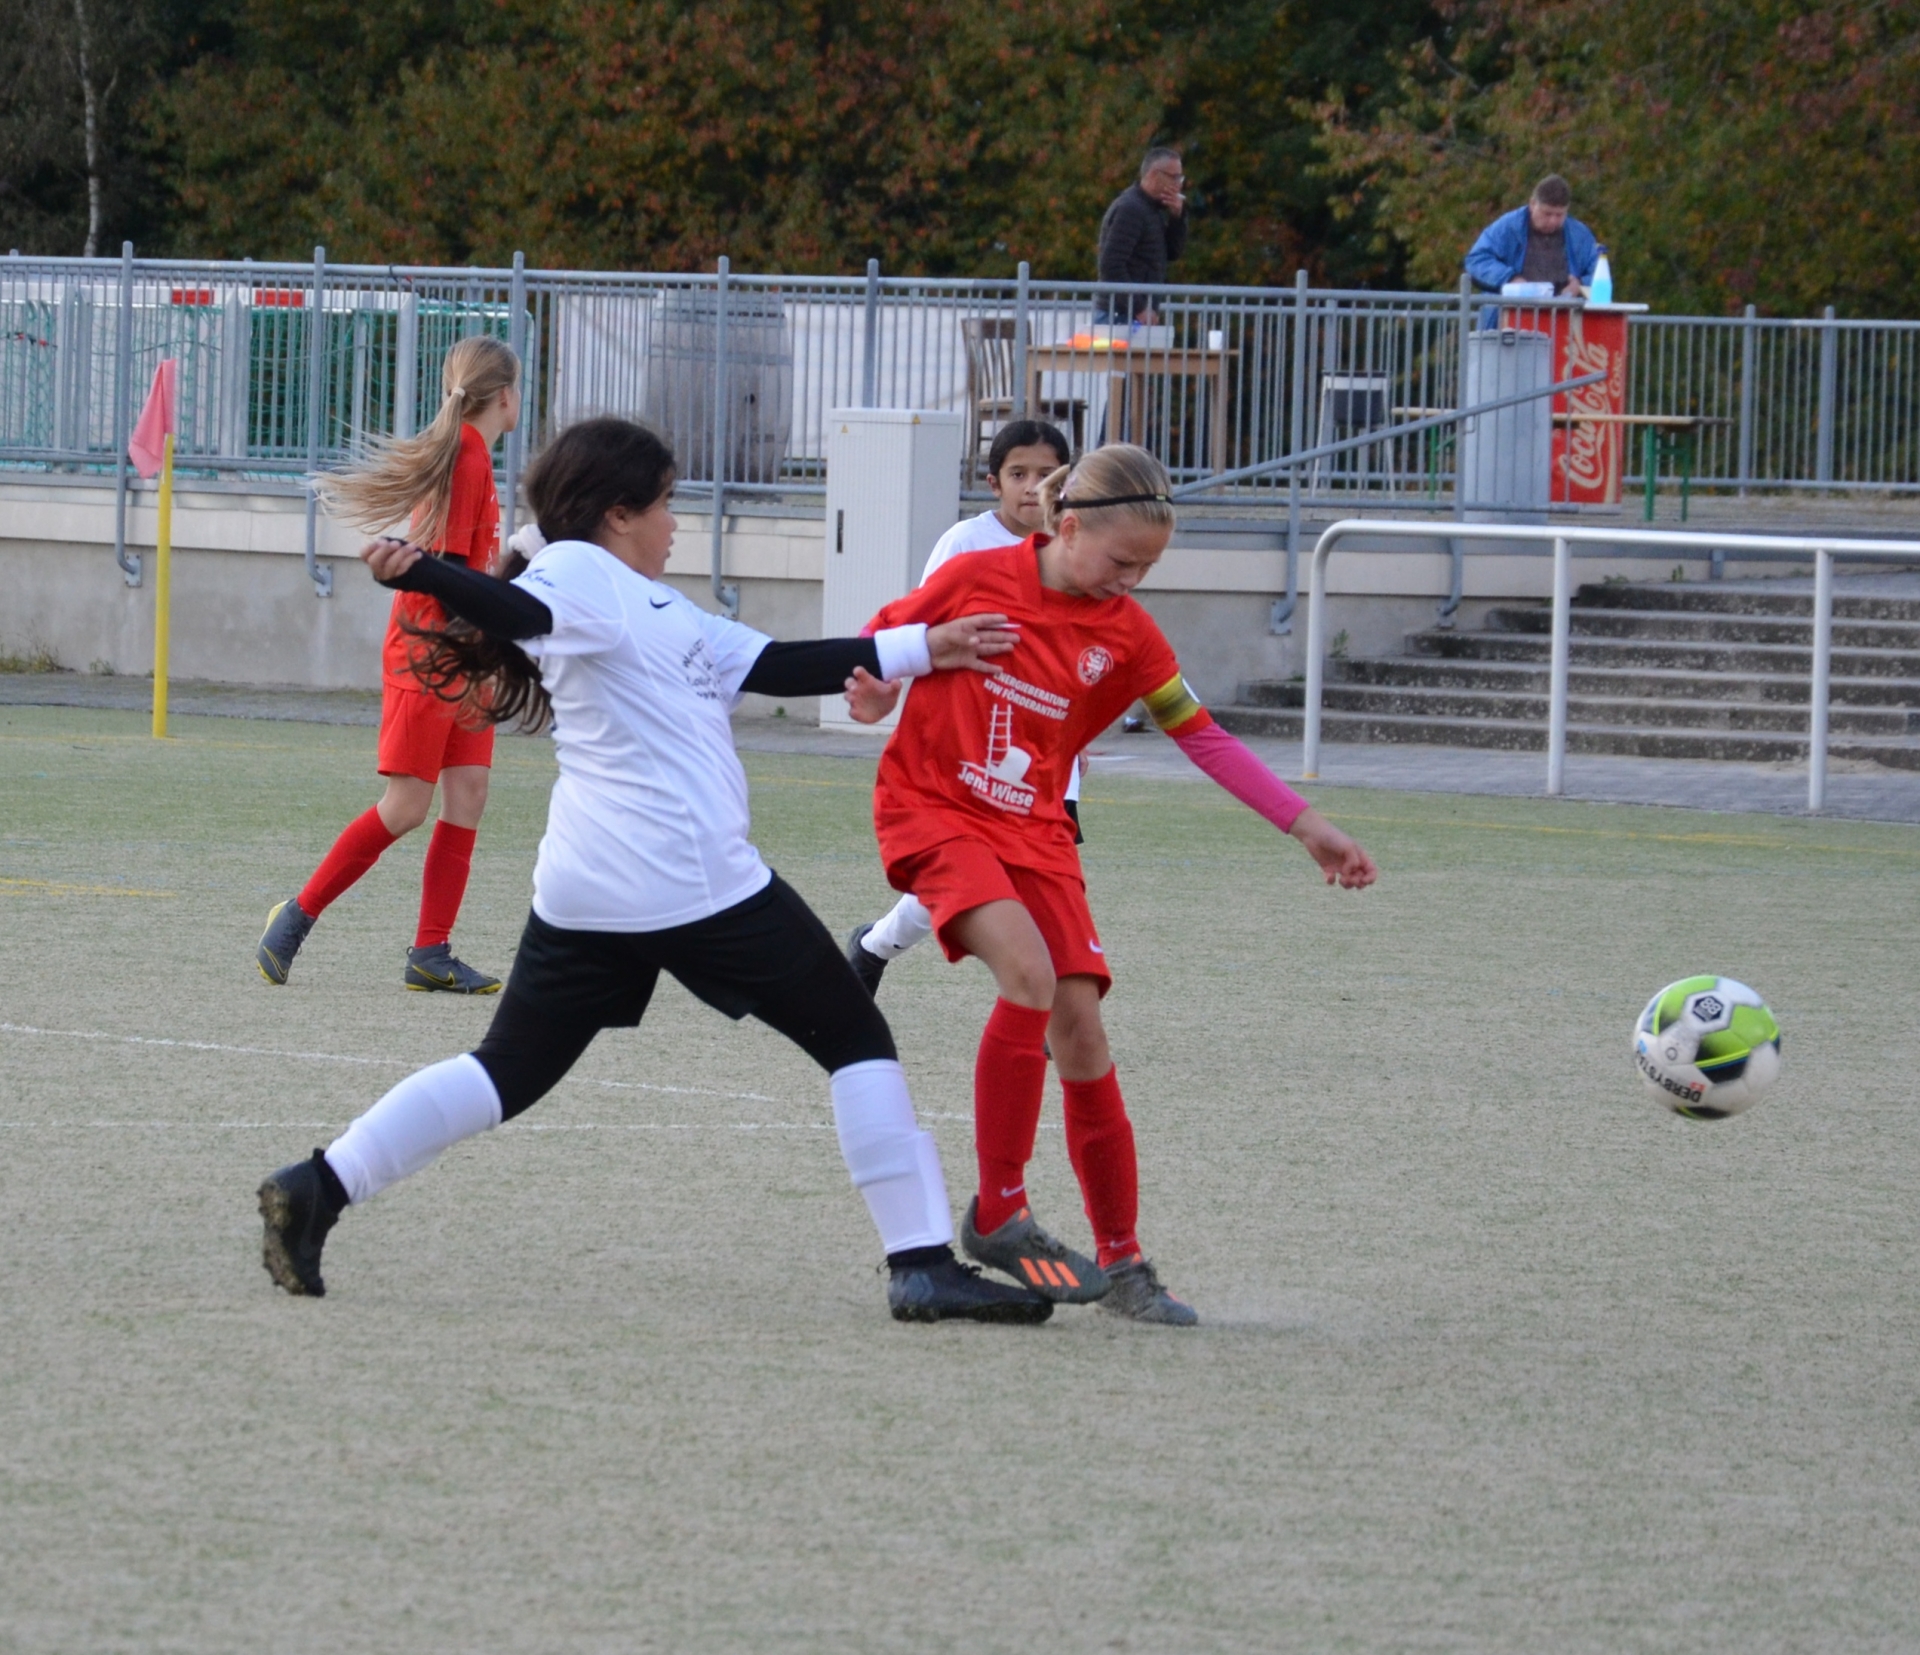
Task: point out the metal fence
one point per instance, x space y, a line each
1559 542
286 369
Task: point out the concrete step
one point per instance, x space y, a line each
1751 746
1701 626
1640 654
1713 597
1428 702
1519 677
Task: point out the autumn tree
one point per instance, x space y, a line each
72 73
1728 151
796 136
943 138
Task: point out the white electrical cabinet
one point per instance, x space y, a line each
893 488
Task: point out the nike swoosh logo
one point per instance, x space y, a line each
661 605
1017 1188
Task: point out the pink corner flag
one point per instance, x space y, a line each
148 444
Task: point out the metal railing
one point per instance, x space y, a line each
1559 541
287 368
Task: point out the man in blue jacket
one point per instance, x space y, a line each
1539 242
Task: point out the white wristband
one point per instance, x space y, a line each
903 652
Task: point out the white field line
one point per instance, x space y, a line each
408 1063
510 1126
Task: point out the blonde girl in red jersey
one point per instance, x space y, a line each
443 481
970 814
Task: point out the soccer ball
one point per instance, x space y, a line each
1707 1047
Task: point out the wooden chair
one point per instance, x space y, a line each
992 394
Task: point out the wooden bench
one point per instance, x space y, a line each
1663 435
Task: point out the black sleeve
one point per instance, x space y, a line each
497 607
1119 238
814 666
1177 234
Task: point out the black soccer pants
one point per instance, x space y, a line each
768 957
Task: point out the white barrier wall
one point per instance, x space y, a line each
245 612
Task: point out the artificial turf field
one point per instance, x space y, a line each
1495 1356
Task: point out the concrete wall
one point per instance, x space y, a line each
245 612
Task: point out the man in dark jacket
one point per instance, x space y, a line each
1144 231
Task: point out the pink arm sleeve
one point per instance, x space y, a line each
1230 762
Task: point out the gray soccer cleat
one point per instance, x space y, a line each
287 928
299 1212
1138 1295
1035 1259
435 968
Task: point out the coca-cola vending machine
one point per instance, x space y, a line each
1587 452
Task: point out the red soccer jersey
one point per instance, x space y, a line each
472 537
988 754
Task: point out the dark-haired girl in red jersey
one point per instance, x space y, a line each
970 817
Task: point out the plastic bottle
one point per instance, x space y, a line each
1600 289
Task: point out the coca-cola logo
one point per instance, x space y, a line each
1592 458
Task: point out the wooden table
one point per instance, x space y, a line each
1673 434
1135 365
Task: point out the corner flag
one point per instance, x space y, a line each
147 446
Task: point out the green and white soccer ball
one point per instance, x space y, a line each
1707 1047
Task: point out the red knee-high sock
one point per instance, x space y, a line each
1008 1077
443 882
355 851
1100 1145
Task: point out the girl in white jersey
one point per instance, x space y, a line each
646 865
1025 453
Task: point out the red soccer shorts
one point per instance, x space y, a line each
421 735
958 874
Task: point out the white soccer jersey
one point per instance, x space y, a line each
648 823
647 827
976 534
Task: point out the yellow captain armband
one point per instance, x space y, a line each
1173 704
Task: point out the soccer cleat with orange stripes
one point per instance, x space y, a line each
1036 1260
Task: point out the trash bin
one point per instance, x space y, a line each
759 382
1506 457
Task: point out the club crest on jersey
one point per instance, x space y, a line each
1095 664
1001 781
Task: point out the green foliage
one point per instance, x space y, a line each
36 657
1728 151
941 138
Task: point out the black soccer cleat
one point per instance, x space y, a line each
945 1290
299 1210
287 928
867 965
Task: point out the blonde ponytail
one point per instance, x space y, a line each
1119 480
412 477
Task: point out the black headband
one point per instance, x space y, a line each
1116 500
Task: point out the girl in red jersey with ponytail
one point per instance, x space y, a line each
443 481
969 810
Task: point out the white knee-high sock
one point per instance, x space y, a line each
895 1166
426 1113
907 925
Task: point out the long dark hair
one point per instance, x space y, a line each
583 474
